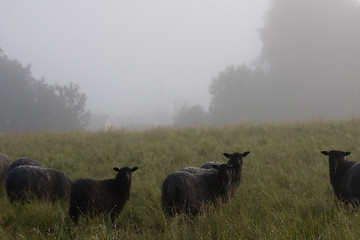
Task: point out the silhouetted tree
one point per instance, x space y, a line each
74 103
190 116
311 53
308 66
229 93
30 104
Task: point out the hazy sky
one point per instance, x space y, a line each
132 55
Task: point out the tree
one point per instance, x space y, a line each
74 103
310 36
311 50
190 116
308 66
30 104
229 93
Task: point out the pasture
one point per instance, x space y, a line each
285 191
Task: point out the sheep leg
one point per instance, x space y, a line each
114 215
74 213
75 217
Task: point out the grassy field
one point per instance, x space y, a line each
285 192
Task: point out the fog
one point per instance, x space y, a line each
141 62
133 56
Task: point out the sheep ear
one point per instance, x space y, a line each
116 169
244 154
325 153
134 169
347 153
226 155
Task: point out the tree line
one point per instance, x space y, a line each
30 104
308 67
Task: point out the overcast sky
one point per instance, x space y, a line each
132 55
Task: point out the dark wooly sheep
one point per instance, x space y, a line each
5 162
236 161
23 161
187 189
89 196
25 183
344 176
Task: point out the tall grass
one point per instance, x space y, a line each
285 192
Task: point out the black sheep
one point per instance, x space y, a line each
89 196
5 162
23 161
187 189
25 183
236 161
344 176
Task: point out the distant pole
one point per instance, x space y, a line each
175 106
161 93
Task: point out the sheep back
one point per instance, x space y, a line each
25 183
210 165
187 189
23 161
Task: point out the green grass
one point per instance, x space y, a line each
285 192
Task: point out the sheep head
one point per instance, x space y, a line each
336 157
225 172
124 174
235 159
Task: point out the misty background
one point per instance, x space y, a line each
160 62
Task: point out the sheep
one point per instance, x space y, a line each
5 162
344 176
187 189
101 197
25 183
235 160
23 161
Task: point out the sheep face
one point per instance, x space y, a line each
124 174
235 159
225 173
336 157
236 162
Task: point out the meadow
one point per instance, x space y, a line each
285 191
